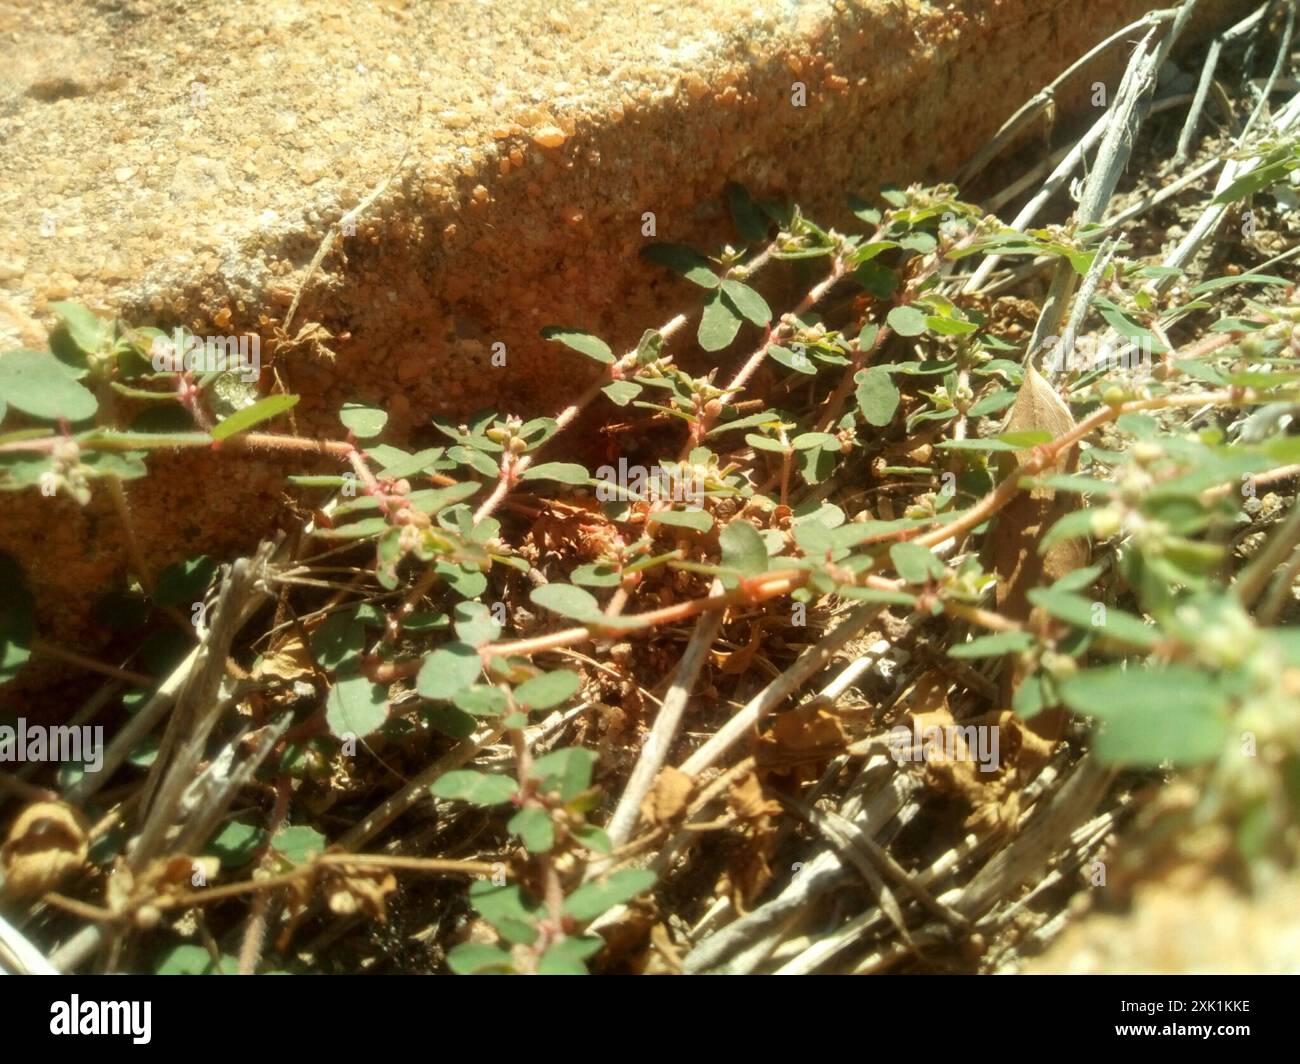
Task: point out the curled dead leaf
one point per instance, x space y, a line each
287 660
801 741
746 799
1013 548
668 798
47 842
1029 516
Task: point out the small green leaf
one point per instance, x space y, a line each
548 689
805 441
719 323
594 838
567 770
598 574
560 472
400 466
1095 616
567 601
796 359
477 788
475 958
356 707
262 410
448 669
481 700
339 638
183 583
1149 716
743 548
534 828
877 395
621 393
649 347
87 330
474 623
38 384
590 900
298 843
914 563
690 264
187 959
696 520
505 908
906 321
476 460
1077 524
582 342
992 646
449 720
569 957
366 422
750 304
236 844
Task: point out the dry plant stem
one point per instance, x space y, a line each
655 749
139 564
188 899
1082 304
808 664
1036 838
777 584
1045 96
143 721
199 704
1207 78
810 300
397 804
758 589
1030 210
1283 55
1123 120
250 952
1198 101
1156 198
72 657
1209 220
351 216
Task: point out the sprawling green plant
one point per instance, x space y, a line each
1168 641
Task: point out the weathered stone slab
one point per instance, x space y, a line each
184 168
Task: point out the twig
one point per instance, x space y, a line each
1013 125
655 749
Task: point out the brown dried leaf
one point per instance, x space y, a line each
668 797
288 660
1013 547
47 842
1014 543
801 741
745 797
